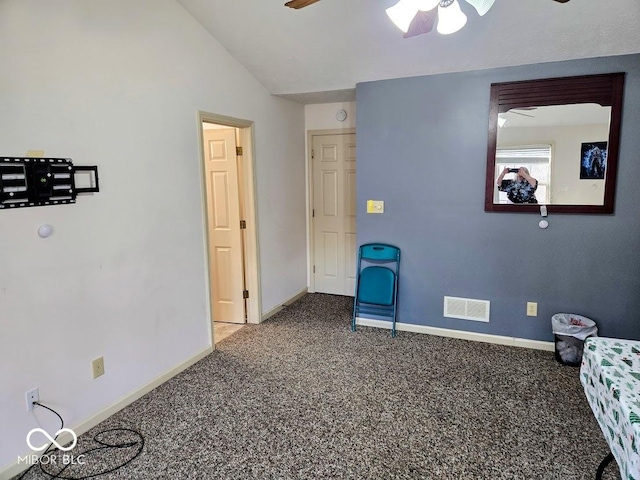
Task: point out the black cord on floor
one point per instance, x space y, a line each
139 442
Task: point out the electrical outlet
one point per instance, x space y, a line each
97 367
31 396
532 309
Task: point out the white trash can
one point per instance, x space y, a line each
570 331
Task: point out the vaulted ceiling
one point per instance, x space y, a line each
320 52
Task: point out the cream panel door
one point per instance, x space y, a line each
223 213
334 213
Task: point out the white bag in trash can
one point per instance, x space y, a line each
571 325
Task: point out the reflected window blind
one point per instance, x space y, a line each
524 154
536 158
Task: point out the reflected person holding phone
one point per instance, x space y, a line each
521 189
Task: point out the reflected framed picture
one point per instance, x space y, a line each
593 161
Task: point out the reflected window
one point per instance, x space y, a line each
535 158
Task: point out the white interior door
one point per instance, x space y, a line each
334 213
223 213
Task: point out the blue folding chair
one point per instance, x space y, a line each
377 283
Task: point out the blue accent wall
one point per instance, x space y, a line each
422 145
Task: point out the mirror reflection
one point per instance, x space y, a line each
554 155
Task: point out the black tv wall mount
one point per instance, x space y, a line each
34 182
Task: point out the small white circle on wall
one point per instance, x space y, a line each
45 231
341 116
543 224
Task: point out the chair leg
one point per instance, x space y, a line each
354 316
393 329
605 461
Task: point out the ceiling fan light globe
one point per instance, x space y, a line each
482 6
426 5
402 13
450 19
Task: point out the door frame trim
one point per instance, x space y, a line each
251 240
310 225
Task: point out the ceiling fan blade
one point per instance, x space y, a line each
562 1
522 114
422 23
300 3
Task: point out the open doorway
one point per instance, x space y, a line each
231 232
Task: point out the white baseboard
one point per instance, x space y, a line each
446 332
15 468
275 310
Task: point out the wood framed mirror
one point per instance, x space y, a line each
554 142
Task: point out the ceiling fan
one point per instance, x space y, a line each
300 3
502 117
516 112
305 3
415 17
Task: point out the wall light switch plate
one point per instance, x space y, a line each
532 309
375 206
97 367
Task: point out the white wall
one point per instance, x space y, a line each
322 116
566 186
117 84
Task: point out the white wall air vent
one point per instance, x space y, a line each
466 309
